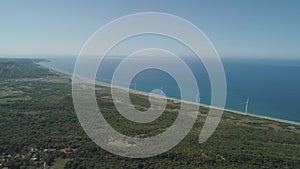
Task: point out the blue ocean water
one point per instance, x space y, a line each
272 85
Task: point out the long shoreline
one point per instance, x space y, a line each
173 99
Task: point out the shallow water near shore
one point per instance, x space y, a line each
271 85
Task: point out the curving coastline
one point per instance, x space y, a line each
58 72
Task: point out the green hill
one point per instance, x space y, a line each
21 68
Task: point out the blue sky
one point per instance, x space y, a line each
252 28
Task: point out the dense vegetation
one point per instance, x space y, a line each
17 68
37 121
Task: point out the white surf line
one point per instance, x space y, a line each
174 99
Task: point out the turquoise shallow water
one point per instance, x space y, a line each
273 86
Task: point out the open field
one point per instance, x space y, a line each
60 163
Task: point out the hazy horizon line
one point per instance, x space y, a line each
185 56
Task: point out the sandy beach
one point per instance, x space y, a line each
173 99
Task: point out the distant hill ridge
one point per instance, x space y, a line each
22 68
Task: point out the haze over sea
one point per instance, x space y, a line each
272 85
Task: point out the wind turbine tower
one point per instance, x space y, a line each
134 86
247 104
197 97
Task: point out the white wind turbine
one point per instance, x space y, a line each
247 104
197 97
134 84
161 90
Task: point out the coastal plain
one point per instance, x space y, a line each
39 128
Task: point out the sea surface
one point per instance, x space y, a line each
272 85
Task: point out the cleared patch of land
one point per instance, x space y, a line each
60 163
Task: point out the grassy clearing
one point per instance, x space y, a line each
60 163
55 80
12 100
